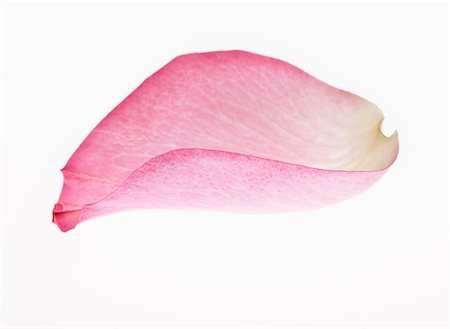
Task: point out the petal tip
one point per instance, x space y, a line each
66 220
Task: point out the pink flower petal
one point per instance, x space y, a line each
229 131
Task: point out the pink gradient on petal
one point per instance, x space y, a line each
228 131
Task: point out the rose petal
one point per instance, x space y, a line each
229 131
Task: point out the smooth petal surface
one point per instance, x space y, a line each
230 131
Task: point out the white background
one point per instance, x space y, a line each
377 260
